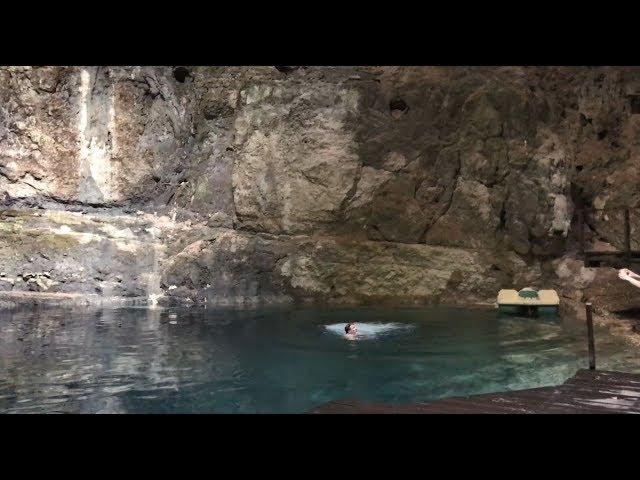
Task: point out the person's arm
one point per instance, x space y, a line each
633 275
625 272
632 281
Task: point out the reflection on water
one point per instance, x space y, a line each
278 360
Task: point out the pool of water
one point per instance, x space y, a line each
139 360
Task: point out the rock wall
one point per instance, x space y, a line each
231 185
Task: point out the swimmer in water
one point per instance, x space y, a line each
629 276
350 331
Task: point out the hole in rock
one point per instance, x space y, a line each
634 103
579 168
632 314
602 134
398 107
181 74
584 120
284 69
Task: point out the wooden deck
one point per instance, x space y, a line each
611 259
615 259
588 391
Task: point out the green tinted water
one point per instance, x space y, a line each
279 360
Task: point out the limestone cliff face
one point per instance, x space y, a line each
359 184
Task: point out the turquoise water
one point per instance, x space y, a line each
138 360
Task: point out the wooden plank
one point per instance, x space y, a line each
605 376
475 405
368 408
355 407
521 397
514 405
606 380
450 406
573 409
601 397
550 404
494 405
463 406
588 391
581 389
362 407
621 388
612 406
485 403
494 399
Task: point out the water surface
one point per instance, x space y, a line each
139 360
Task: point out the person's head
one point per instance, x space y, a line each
350 329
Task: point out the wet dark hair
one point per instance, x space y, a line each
347 327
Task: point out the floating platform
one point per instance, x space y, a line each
528 301
588 391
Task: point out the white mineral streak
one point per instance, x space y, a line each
154 290
95 163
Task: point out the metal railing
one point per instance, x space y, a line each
626 252
590 337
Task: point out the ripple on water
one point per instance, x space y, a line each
367 330
279 360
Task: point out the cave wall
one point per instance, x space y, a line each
341 184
